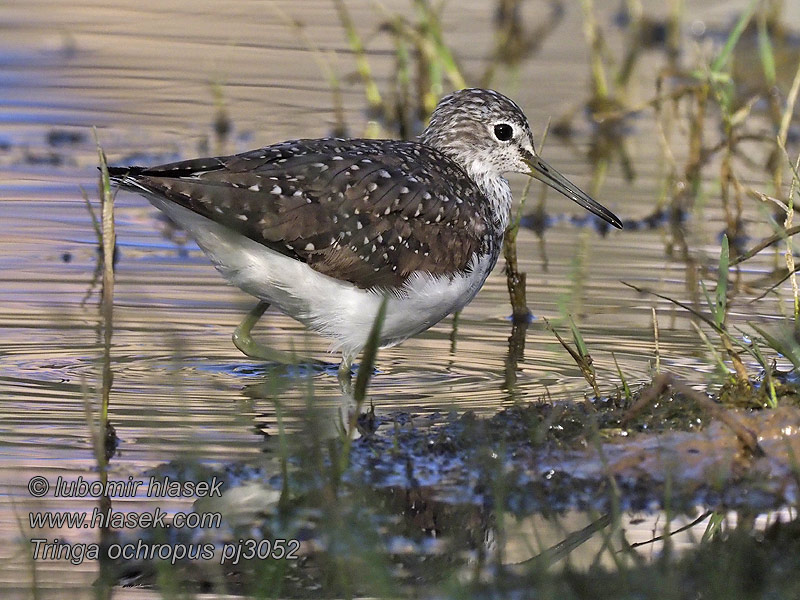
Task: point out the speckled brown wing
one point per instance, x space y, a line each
370 212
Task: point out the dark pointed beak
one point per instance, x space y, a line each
544 172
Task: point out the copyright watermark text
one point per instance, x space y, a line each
102 519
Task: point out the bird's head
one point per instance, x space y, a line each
487 134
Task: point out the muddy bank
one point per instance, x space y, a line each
424 494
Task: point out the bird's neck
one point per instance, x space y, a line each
492 183
496 189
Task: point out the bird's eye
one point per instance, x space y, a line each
503 132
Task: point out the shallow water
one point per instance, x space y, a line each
145 77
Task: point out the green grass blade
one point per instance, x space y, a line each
580 344
711 304
443 54
368 357
765 50
720 363
714 526
721 305
362 62
722 60
625 388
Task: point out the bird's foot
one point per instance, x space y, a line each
244 341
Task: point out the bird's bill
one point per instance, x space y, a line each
547 174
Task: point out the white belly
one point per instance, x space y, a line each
334 308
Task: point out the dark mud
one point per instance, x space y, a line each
423 493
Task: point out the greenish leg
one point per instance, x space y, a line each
348 405
345 374
245 342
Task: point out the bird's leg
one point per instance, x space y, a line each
345 374
348 406
245 342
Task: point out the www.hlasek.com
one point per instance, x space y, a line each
76 553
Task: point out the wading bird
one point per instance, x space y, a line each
325 229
